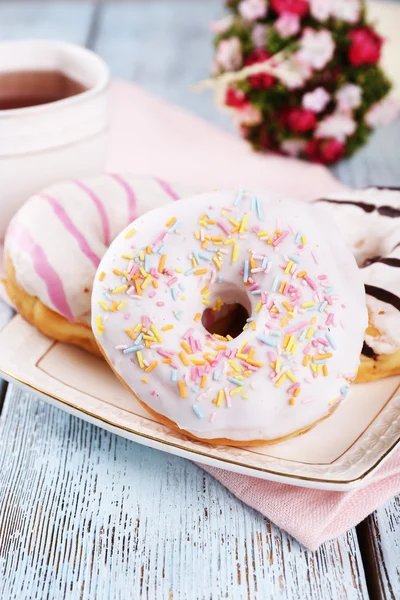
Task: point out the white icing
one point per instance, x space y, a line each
267 412
75 269
371 234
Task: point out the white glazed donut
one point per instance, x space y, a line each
370 223
54 244
297 283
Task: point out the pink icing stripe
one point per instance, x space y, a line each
70 227
167 188
130 195
100 207
43 268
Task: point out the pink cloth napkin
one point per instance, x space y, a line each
313 516
150 136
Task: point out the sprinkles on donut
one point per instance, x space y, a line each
235 316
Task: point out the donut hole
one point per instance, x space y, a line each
230 320
231 317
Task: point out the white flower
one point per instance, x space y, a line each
316 48
320 9
287 25
316 100
348 97
259 35
253 9
293 147
338 126
294 73
222 25
346 10
250 115
229 54
383 113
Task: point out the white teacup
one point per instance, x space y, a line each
65 138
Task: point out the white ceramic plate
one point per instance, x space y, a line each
338 454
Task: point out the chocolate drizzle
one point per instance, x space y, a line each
383 295
391 262
368 351
389 211
368 208
387 187
385 211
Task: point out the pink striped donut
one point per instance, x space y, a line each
55 242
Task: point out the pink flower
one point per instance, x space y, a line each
365 47
337 126
259 35
316 100
293 147
287 24
249 115
222 25
383 113
346 10
300 120
324 151
320 9
236 98
297 7
229 54
348 97
253 9
316 48
260 81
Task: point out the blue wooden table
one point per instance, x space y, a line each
85 514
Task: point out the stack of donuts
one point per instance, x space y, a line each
235 317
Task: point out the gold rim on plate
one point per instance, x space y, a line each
12 376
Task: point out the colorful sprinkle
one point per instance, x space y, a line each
182 389
120 289
331 340
197 411
133 349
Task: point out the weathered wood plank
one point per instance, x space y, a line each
5 315
380 539
87 514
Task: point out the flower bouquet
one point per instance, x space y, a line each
301 77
